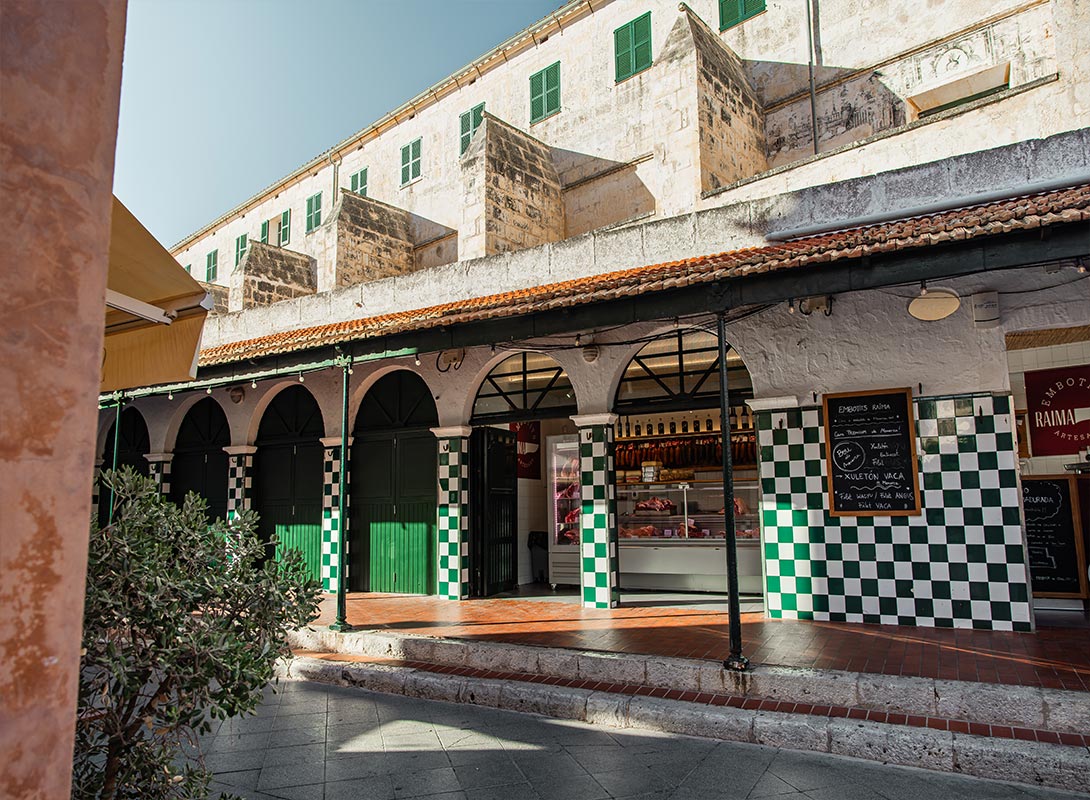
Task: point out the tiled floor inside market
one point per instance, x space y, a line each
1053 657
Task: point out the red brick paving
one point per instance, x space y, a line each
1052 657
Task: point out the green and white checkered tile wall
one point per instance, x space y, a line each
239 483
598 517
453 529
159 470
961 563
331 492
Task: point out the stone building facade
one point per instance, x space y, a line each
948 145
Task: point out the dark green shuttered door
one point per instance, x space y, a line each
393 488
132 447
288 475
200 464
493 518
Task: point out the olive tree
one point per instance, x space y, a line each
183 621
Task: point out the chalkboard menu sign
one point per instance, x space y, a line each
1057 560
870 453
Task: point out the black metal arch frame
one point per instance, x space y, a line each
696 388
523 403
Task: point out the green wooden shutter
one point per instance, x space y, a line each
406 166
641 42
751 7
240 248
210 266
730 13
478 116
552 88
285 228
189 268
537 96
416 158
359 182
465 131
265 232
314 211
622 52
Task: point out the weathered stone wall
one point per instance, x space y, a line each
270 274
522 202
729 114
220 296
373 240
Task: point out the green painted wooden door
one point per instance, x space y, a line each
393 489
288 477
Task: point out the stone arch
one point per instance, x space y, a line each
183 405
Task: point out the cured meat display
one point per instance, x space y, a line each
690 452
659 505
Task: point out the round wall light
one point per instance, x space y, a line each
934 305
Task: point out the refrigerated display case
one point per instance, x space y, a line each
670 535
565 501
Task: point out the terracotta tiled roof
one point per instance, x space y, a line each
1020 213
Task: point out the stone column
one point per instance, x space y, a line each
160 470
598 520
332 561
240 467
453 511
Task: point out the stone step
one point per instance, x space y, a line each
986 704
1040 758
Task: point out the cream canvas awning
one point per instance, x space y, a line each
155 310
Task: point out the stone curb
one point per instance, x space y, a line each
989 703
1057 766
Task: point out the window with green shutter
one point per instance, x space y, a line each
240 248
210 266
469 122
358 182
410 162
264 232
731 12
632 47
314 211
283 232
545 92
189 268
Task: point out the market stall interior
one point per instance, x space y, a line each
668 472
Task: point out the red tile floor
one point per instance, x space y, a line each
1051 657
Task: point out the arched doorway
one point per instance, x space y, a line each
393 488
523 407
133 444
288 475
200 463
668 461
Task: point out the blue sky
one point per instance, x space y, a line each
220 98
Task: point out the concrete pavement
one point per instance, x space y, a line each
313 741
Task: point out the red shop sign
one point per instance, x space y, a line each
1059 410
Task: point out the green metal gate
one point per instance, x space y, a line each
393 489
288 476
200 463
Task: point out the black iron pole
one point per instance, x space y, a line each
113 466
735 661
341 622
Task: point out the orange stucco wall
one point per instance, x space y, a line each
60 81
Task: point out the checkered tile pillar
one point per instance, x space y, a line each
331 489
453 510
240 468
961 563
159 470
598 549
